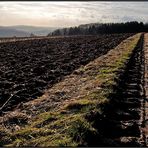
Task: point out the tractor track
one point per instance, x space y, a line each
122 121
128 100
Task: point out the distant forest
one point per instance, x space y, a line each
107 28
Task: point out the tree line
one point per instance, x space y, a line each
106 28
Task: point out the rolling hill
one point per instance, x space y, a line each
24 31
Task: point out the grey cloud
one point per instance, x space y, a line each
71 13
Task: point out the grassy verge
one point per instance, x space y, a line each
69 125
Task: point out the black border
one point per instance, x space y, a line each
74 0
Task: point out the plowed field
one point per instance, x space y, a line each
28 67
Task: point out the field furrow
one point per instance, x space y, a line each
28 68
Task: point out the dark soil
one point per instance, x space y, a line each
29 67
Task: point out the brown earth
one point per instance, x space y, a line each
29 67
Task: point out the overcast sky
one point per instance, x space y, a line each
65 14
